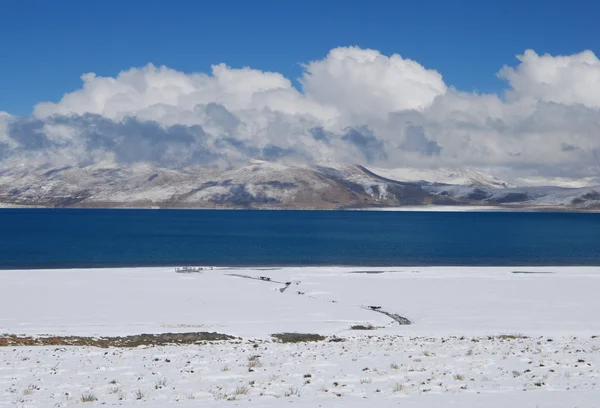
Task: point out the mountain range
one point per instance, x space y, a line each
268 185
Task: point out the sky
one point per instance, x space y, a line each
392 83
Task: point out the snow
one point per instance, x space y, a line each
440 300
560 181
369 372
445 208
443 176
273 185
368 184
451 355
8 205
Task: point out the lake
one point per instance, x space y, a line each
60 238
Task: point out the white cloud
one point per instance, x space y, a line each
571 79
355 105
5 141
367 84
349 81
166 95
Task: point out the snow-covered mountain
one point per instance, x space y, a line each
442 176
261 184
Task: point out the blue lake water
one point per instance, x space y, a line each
51 238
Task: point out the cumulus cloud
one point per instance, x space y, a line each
172 97
366 84
570 80
354 106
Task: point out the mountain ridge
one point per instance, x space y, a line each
270 185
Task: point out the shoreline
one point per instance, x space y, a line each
386 267
421 208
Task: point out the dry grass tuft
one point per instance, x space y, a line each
88 397
30 389
398 387
114 390
160 383
241 390
291 392
256 363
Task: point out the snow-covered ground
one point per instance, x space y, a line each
579 182
480 337
8 205
446 208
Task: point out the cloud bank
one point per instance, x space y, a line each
353 106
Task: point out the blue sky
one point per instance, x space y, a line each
47 45
383 83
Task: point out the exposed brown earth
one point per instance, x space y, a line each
105 342
297 337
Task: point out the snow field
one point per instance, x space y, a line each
385 370
489 337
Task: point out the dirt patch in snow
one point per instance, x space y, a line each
531 272
163 339
369 272
298 337
362 327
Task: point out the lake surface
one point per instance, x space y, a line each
54 238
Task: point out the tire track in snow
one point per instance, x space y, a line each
394 316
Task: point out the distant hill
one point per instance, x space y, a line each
270 185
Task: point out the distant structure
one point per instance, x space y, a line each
188 269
